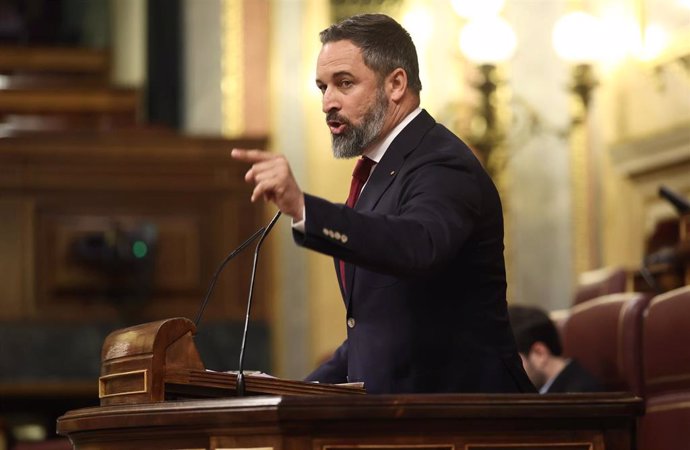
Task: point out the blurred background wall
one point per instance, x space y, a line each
580 110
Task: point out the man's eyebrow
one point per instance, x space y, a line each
342 73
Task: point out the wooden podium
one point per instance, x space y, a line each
158 361
380 422
155 394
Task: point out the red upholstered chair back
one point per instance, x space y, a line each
605 336
596 283
666 359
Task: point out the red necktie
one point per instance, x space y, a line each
359 177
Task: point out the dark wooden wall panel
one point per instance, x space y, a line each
61 188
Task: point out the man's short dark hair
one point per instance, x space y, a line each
385 45
530 325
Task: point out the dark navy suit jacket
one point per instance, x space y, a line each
425 276
574 378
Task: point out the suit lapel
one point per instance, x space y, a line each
389 166
383 175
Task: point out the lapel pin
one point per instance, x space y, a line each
392 172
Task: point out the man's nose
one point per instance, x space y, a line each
329 101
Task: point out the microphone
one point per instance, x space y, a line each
239 386
227 259
682 205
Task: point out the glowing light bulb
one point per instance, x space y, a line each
488 40
577 37
656 40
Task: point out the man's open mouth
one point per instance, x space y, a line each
336 124
336 127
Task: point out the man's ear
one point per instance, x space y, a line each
539 351
396 84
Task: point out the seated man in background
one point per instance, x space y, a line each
540 348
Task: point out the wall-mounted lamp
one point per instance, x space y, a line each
662 55
581 49
488 41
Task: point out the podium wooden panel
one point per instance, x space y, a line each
402 422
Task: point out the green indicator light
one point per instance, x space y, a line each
140 249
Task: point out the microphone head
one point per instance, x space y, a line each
681 205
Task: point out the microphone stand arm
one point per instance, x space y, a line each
240 384
227 259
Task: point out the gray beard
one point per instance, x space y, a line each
356 138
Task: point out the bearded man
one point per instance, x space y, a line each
419 252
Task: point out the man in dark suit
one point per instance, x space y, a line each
419 255
540 349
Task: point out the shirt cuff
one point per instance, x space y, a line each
299 226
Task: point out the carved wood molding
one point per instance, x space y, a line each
653 153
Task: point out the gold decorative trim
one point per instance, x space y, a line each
232 67
104 378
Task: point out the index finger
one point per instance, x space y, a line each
249 156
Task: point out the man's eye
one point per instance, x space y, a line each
346 83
